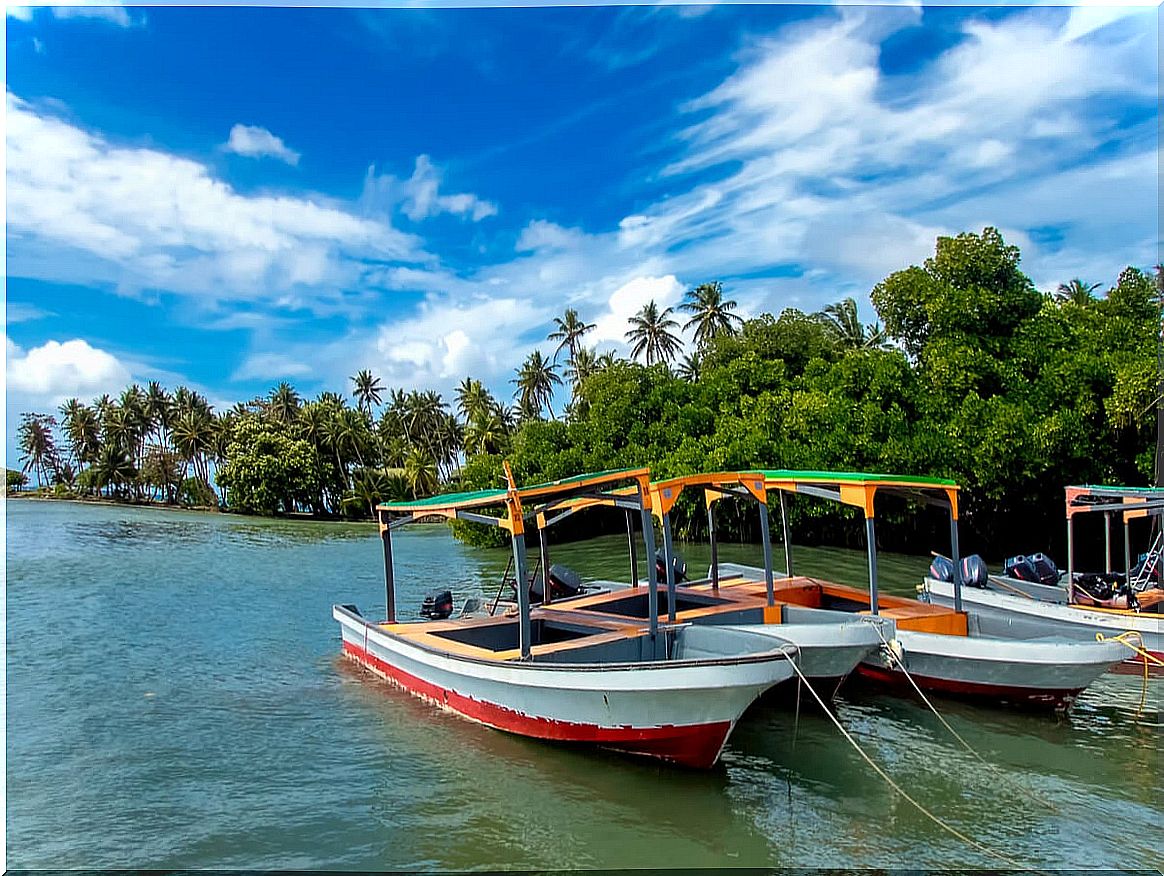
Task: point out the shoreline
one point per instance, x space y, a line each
31 496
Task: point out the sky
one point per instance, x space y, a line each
227 198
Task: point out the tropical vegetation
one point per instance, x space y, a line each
970 372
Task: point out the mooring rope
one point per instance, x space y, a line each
966 745
1123 638
1010 862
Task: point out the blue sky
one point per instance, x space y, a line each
228 198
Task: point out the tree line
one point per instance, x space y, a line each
970 373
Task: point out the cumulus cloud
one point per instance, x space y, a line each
255 142
628 299
57 370
138 218
419 197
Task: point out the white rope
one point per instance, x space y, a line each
1010 862
966 745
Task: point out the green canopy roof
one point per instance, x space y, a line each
854 477
485 498
472 499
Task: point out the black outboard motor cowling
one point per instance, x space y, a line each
677 563
1045 568
437 605
564 581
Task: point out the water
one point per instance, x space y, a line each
176 700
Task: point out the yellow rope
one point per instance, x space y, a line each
1010 862
1123 638
1025 791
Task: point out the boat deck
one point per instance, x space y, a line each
571 629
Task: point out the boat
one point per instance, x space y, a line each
662 690
939 647
829 644
1037 599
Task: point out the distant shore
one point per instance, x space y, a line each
33 496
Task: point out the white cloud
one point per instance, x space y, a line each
55 370
271 366
101 10
111 12
255 142
15 312
83 209
629 299
419 197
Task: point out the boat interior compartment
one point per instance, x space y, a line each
689 605
504 636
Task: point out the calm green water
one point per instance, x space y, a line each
175 699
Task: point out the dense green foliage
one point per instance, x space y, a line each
973 374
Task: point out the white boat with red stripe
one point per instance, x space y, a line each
672 692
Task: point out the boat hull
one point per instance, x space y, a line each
825 651
1018 617
680 711
1041 674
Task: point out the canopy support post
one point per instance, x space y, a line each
389 576
670 567
956 561
634 560
544 556
871 538
1070 559
1107 542
714 549
1128 550
787 540
523 624
766 539
652 578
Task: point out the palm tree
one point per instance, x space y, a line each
711 313
689 368
283 404
420 471
605 360
1076 292
37 445
650 334
473 399
367 391
194 436
114 468
536 379
569 332
843 322
582 364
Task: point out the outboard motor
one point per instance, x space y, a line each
1021 568
677 564
1036 568
942 569
1045 568
564 583
974 571
437 605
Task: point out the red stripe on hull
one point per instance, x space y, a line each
1135 665
695 745
1032 696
